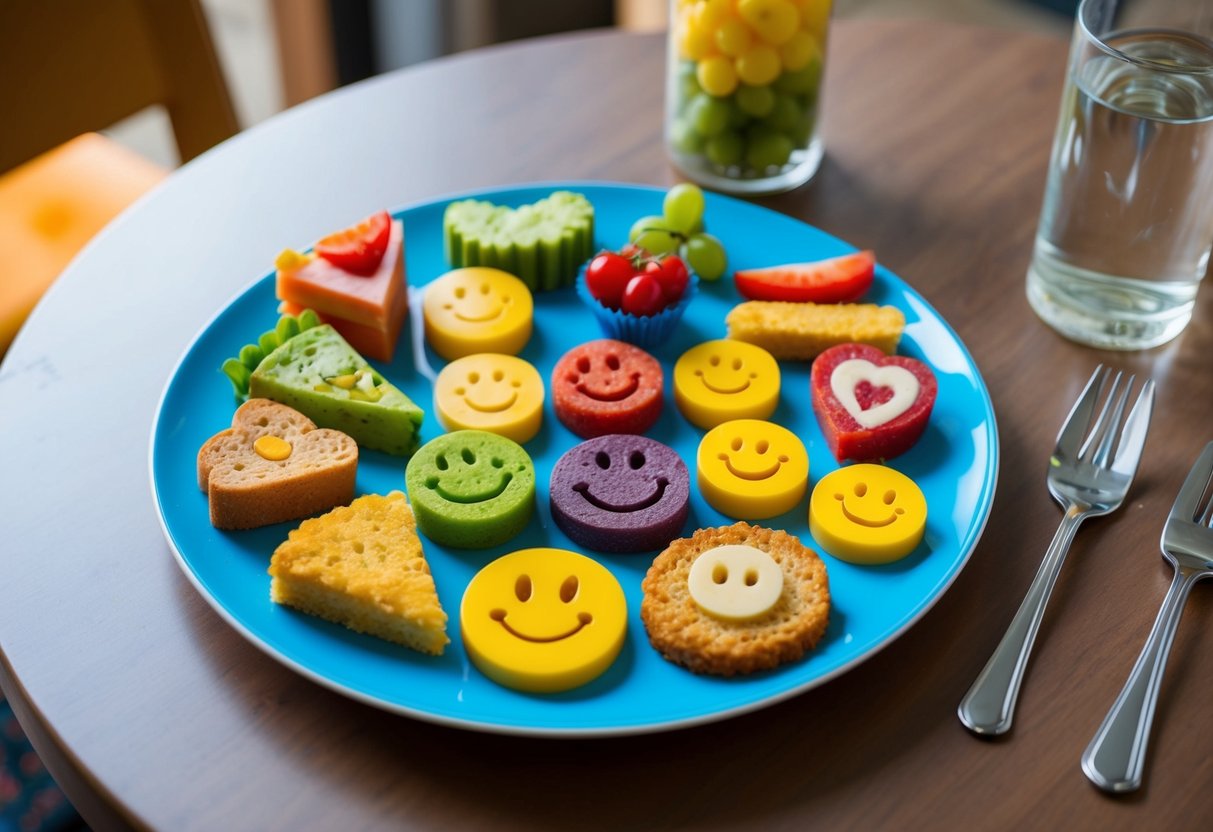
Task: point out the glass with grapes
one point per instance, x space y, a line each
743 84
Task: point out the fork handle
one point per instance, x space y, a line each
989 705
1116 757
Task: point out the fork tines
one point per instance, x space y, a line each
1097 437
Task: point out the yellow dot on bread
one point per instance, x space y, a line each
273 448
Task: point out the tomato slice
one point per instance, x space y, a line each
360 248
837 280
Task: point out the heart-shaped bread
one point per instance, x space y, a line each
871 406
274 464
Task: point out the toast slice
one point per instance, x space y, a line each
273 464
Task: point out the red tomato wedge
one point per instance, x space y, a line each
360 248
837 280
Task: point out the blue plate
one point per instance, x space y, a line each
955 463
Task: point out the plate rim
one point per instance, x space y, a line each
969 542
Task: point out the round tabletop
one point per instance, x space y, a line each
153 712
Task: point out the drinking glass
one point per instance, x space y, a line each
1127 221
743 85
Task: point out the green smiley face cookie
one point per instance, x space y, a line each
471 489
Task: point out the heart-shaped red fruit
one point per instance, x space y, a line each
871 406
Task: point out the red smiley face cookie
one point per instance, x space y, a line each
871 406
606 386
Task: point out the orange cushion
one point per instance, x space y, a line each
54 204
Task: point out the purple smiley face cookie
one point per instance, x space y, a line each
620 493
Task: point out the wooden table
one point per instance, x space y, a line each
154 712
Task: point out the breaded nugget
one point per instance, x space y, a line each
685 634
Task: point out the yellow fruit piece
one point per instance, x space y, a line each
710 13
733 37
289 260
758 65
815 17
798 52
695 44
717 76
775 21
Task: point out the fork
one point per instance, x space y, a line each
1117 754
1089 474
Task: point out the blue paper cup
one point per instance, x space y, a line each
645 331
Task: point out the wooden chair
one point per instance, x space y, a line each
68 67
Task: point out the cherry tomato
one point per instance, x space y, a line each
607 276
673 276
358 249
837 280
643 296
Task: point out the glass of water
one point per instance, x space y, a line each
1127 221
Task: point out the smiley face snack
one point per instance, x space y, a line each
871 406
474 310
607 386
274 464
750 469
620 493
543 620
471 489
735 599
498 393
867 514
721 380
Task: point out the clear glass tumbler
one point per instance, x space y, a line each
743 85
1127 221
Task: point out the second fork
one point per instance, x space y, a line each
1092 465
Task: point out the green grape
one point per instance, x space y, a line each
708 115
754 101
688 84
725 149
767 148
785 115
738 117
654 235
684 139
705 255
804 129
802 80
683 206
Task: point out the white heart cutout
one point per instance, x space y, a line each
848 375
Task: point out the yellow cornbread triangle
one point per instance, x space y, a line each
361 565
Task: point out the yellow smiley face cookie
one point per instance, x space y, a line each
543 620
867 514
718 381
751 470
500 394
475 310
